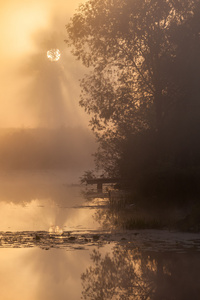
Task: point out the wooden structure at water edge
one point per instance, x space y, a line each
100 181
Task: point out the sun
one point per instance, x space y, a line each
53 54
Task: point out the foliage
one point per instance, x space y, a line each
144 64
86 176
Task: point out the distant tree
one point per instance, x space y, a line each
140 76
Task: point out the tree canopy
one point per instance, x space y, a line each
142 87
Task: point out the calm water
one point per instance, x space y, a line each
53 247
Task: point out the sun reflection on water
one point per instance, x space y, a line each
55 230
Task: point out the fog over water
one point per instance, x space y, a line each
59 239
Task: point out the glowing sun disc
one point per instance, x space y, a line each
53 54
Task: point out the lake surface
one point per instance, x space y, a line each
53 246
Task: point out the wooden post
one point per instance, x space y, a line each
99 186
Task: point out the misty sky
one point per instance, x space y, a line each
34 91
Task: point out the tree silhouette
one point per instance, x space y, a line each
144 64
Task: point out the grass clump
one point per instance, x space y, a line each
133 223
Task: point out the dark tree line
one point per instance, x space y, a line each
142 89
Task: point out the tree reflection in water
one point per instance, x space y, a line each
130 274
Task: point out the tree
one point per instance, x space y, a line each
137 70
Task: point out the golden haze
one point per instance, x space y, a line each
27 29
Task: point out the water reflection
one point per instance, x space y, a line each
48 233
131 274
43 275
39 201
117 272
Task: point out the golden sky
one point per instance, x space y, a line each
35 91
